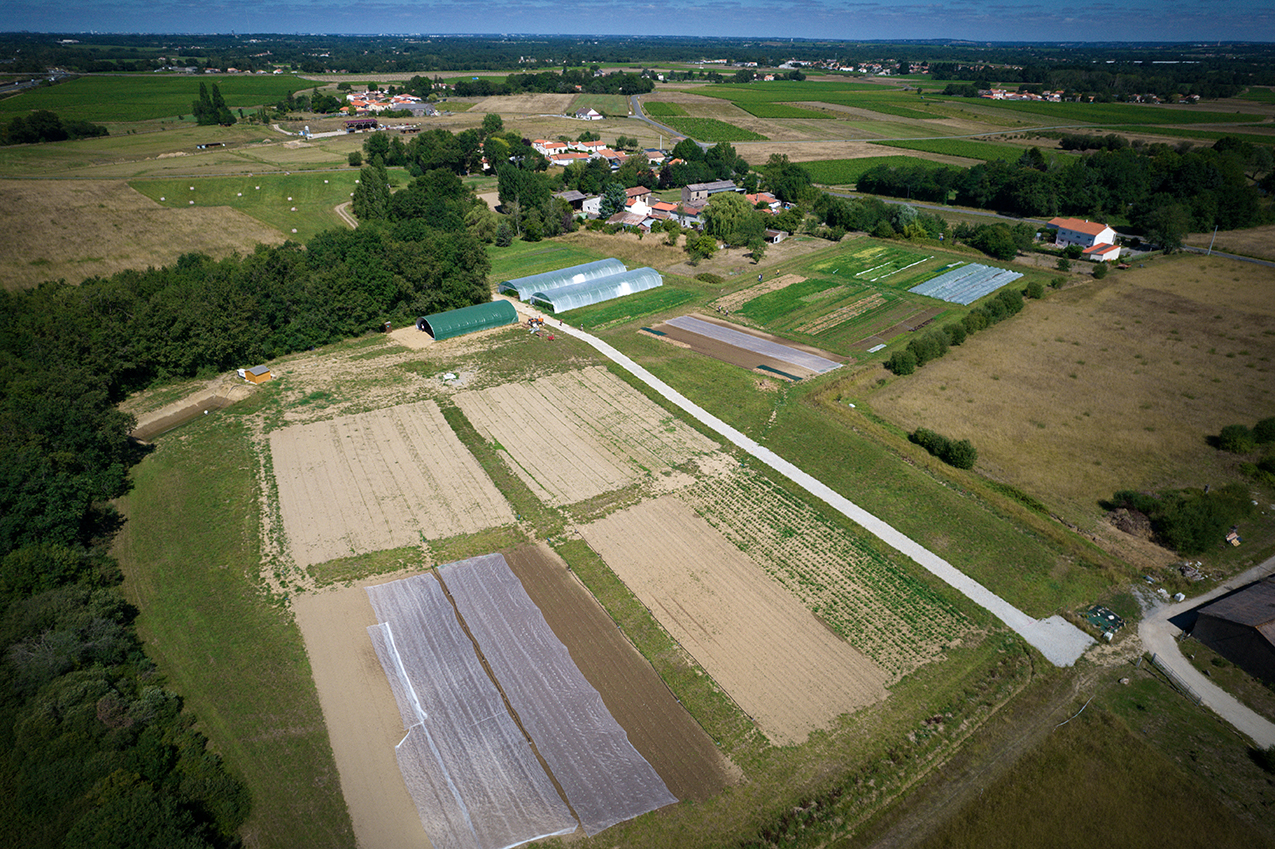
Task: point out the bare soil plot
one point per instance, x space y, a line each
743 357
362 720
893 618
1108 385
779 663
658 726
578 434
74 229
379 480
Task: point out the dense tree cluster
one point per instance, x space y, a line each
44 126
1163 191
1188 521
955 452
719 162
211 109
568 81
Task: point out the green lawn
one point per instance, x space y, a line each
191 556
269 198
522 259
149 97
659 109
610 105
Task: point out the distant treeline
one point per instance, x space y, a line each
569 81
1163 191
1115 82
45 126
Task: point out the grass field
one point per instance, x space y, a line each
1117 113
1108 385
712 130
236 657
659 109
108 99
968 148
269 198
522 259
846 172
610 105
766 109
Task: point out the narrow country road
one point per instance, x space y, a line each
1160 636
1057 639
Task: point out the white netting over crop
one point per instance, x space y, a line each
605 779
474 779
966 284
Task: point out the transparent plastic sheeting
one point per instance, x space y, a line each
524 286
757 345
469 769
605 779
597 290
967 284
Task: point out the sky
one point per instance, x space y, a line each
868 20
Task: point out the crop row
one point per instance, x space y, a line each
770 109
659 109
890 616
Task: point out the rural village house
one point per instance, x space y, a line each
1098 240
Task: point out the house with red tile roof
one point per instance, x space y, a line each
1074 231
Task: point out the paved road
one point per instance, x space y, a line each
1159 635
1057 639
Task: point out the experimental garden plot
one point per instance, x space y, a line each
575 435
779 663
469 769
966 284
379 480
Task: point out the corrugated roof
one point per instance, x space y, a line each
1253 606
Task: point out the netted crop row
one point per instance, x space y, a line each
895 619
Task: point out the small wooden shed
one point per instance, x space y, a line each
256 374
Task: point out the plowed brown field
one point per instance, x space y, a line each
779 663
379 480
576 435
658 727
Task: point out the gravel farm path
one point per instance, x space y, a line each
1057 639
1159 635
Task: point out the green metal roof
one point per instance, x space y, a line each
445 325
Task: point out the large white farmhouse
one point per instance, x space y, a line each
1073 231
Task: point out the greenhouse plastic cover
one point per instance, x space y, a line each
525 286
598 290
469 769
605 779
967 284
756 344
445 325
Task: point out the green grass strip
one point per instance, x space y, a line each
712 130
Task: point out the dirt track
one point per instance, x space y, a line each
779 663
657 725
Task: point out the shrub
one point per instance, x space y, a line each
960 453
955 333
355 158
710 278
932 442
1189 520
901 362
974 321
1064 264
1012 299
1264 431
928 346
1237 439
1035 290
1100 271
1057 282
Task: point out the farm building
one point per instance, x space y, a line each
523 287
600 289
702 191
256 374
1073 231
1241 628
445 325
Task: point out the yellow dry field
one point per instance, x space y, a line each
75 229
780 664
538 104
1107 385
576 435
379 480
1255 241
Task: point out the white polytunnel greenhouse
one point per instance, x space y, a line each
523 287
596 291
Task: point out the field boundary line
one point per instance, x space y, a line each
1057 639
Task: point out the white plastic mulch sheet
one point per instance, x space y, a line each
469 769
757 345
604 778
